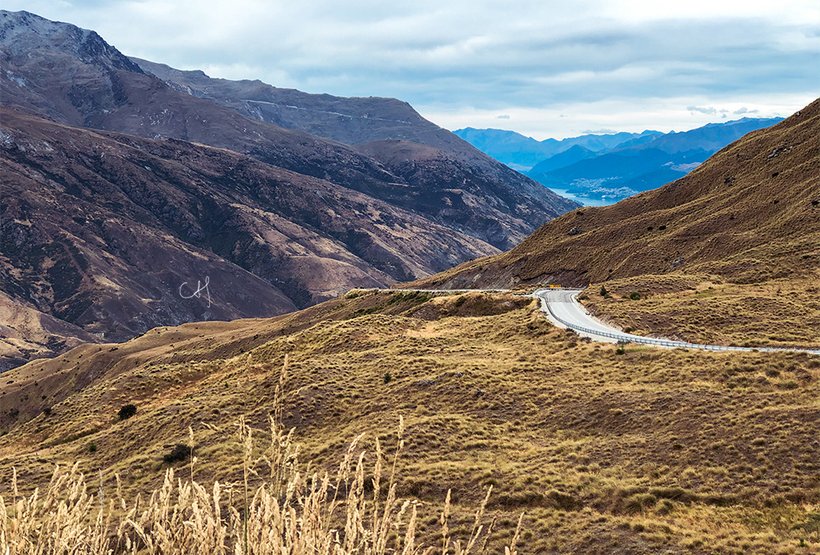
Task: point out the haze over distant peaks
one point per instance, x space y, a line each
608 168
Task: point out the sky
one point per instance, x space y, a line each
543 68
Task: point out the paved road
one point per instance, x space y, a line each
563 309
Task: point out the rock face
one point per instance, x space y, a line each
119 188
499 205
100 230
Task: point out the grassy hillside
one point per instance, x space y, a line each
751 213
728 254
642 452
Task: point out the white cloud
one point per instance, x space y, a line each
572 119
533 60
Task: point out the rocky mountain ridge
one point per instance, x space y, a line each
118 188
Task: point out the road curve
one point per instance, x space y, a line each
563 309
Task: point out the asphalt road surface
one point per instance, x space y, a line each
563 309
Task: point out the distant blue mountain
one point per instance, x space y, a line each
601 169
522 153
565 158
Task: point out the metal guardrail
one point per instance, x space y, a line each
629 338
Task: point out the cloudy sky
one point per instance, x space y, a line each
541 67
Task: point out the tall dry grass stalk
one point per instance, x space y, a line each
290 510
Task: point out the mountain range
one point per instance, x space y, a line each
589 447
602 169
749 215
522 153
126 182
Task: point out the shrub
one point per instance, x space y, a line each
388 377
127 411
635 296
639 502
92 447
179 453
604 292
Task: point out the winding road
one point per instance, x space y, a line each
562 308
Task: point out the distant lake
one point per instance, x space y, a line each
583 200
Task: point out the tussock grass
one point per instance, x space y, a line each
652 451
707 309
287 508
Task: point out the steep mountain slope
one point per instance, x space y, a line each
73 76
346 120
448 178
102 226
749 214
641 164
146 216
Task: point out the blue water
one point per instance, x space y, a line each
583 200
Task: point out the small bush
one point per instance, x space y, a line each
639 502
388 377
635 296
179 453
92 447
604 292
127 411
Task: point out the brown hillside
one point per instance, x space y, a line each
650 451
98 231
751 213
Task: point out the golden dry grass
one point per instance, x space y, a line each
704 308
298 511
645 452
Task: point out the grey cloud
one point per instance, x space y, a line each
461 53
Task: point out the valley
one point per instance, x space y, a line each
168 182
599 170
243 318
